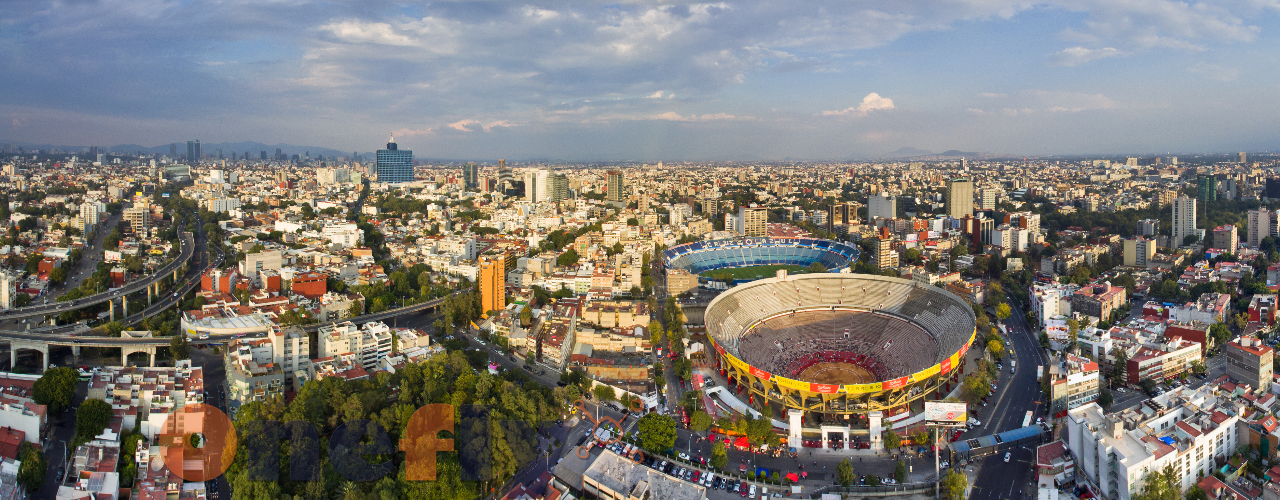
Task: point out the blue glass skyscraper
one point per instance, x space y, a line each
394 165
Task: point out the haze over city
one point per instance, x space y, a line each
643 81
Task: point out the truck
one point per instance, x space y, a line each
1039 372
1026 421
1013 365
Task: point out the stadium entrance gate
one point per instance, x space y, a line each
828 429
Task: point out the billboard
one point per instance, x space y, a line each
937 412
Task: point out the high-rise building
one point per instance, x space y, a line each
1184 220
614 185
505 177
840 214
881 206
1206 189
8 289
1148 227
1138 251
470 176
139 217
1249 362
1226 238
173 150
1260 226
90 215
535 185
989 197
1243 158
884 256
493 284
754 220
395 165
193 151
557 187
959 197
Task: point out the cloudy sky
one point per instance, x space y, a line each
580 80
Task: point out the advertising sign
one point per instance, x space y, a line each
937 412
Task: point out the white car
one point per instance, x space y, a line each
204 336
1007 456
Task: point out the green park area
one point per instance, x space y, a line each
753 272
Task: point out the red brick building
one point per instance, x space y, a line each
118 276
1262 308
310 284
1195 332
218 280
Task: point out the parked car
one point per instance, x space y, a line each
1007 456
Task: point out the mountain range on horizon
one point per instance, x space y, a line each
252 147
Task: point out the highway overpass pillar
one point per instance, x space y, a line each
75 351
149 294
175 276
15 345
112 304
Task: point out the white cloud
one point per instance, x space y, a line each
871 102
1050 101
1215 72
1077 55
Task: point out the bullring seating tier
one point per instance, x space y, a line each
904 325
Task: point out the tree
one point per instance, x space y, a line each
996 347
954 485
568 258
844 473
1162 485
180 346
657 433
34 467
699 421
56 388
900 472
92 417
892 439
920 437
1195 493
356 309
526 317
58 275
718 456
1003 312
1073 332
604 393
817 268
975 387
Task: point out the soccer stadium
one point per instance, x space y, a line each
839 343
713 255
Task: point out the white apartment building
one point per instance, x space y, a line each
1116 452
222 205
1138 251
881 206
90 216
369 345
291 348
8 289
1261 225
1184 219
346 234
1049 301
463 247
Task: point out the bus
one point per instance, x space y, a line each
1026 422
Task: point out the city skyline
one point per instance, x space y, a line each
733 81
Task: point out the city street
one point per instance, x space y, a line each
1019 393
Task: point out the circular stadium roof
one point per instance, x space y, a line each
702 256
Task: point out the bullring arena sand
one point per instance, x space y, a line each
837 374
